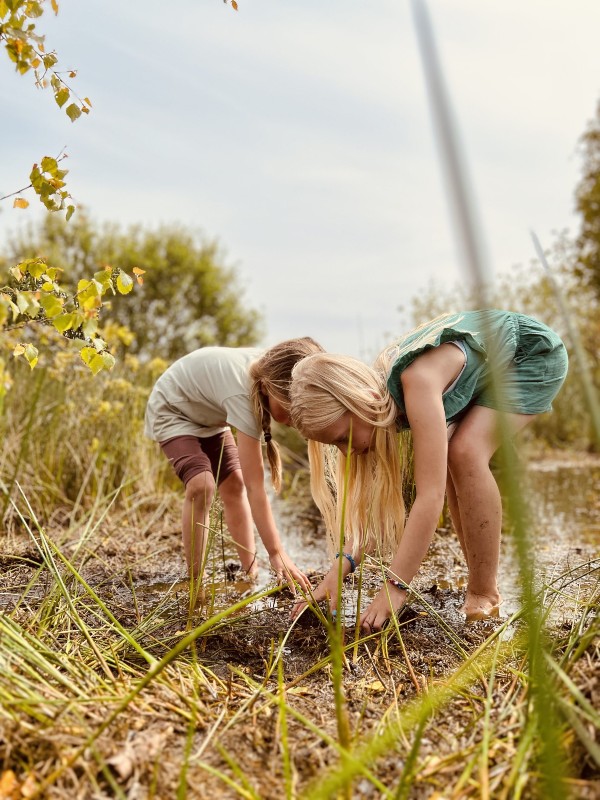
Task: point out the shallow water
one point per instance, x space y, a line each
564 507
563 502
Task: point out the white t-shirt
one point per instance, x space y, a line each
202 394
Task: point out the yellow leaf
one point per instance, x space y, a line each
31 354
54 5
20 202
138 275
29 785
9 785
234 4
19 350
124 283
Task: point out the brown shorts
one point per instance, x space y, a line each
191 455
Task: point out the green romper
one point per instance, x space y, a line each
529 359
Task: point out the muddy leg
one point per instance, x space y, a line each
455 513
238 518
478 503
199 493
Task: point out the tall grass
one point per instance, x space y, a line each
173 699
75 680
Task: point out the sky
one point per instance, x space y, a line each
298 134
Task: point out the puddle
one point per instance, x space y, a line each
564 506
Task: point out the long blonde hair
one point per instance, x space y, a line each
271 376
324 388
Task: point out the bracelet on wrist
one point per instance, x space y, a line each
350 559
398 584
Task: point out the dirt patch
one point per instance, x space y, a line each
224 719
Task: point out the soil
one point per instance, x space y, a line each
137 570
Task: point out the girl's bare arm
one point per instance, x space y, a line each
251 462
423 384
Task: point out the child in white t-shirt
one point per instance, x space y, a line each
190 412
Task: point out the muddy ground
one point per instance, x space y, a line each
135 565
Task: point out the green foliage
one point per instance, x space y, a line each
25 47
47 182
188 299
33 296
587 198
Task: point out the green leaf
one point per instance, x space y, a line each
124 283
63 322
92 359
31 354
21 302
90 327
108 360
28 351
27 303
104 277
34 266
51 304
99 344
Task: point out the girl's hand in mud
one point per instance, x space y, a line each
326 590
288 572
386 602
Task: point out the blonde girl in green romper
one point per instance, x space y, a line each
448 382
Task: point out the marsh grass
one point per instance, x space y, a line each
108 691
169 699
110 688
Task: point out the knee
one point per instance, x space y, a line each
200 487
464 455
232 488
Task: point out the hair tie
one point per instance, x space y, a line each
268 438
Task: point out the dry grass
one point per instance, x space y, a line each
110 687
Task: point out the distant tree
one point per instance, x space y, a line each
588 204
189 297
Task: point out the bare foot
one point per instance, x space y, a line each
481 606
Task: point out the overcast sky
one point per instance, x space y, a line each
298 134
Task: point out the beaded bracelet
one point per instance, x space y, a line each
398 584
350 559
